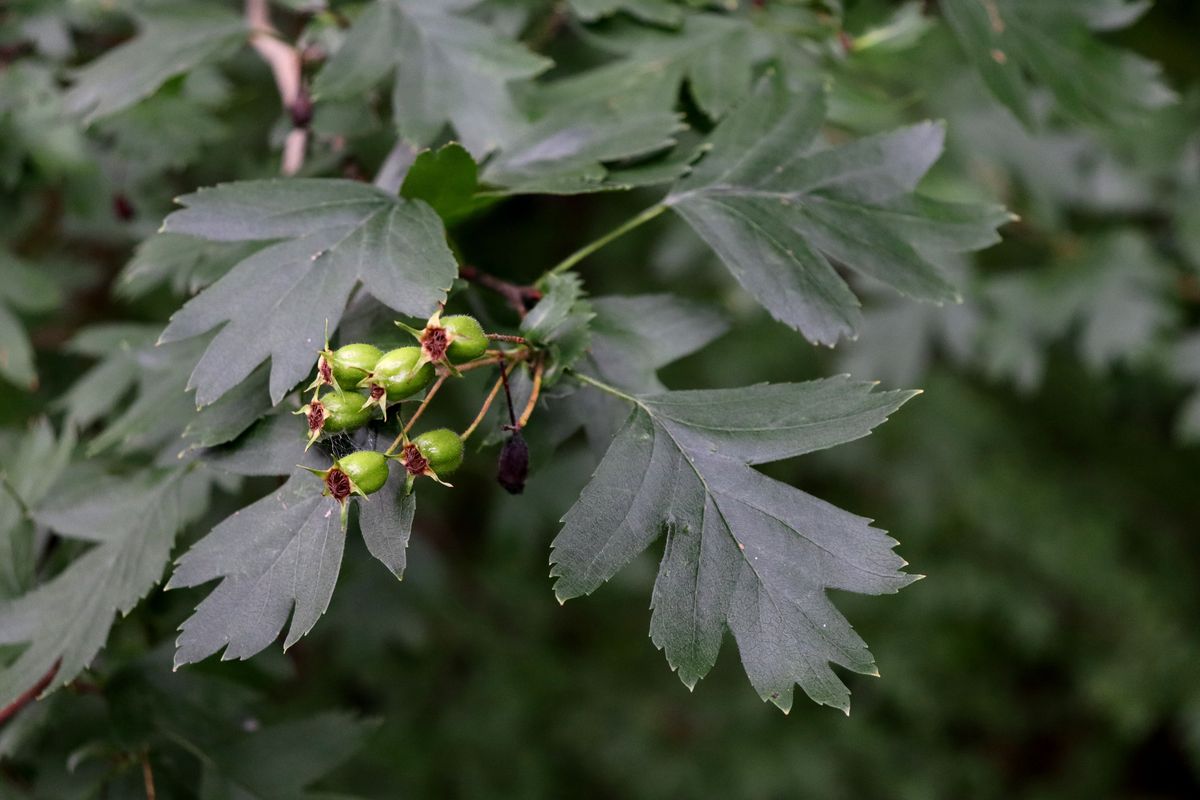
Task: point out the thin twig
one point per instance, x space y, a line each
425 403
487 404
148 775
616 233
490 357
512 418
519 298
504 337
285 62
29 695
533 396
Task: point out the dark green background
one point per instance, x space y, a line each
1053 651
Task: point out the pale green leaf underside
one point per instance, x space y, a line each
743 552
332 235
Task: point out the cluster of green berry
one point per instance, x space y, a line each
361 378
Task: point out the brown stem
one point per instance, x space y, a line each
533 396
416 415
30 694
512 418
148 775
504 337
425 403
285 62
487 403
519 298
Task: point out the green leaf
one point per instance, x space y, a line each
662 12
25 488
447 179
386 520
711 53
743 552
186 264
779 211
132 523
272 446
174 40
560 322
16 352
22 287
448 70
156 417
567 152
633 337
229 417
280 760
98 390
277 302
283 552
1092 81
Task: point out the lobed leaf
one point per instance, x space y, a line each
780 212
276 558
743 552
66 620
334 234
448 70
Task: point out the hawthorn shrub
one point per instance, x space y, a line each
275 272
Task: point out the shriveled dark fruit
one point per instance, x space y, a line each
345 367
467 340
442 448
398 375
514 464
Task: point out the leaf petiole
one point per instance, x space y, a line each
616 233
604 387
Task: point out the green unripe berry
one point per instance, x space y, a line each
338 411
398 376
366 469
442 449
352 362
467 340
452 340
344 411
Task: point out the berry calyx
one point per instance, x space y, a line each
450 340
398 375
346 366
433 454
336 412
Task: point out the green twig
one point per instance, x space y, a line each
604 387
585 251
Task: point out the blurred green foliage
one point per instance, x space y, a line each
1044 482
